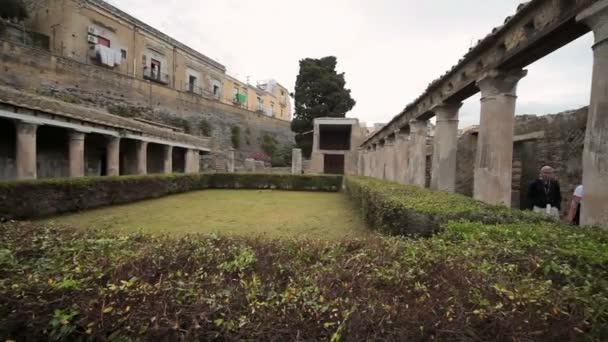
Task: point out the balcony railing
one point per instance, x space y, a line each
193 88
156 76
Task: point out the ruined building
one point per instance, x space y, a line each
494 67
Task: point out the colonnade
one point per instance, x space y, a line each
26 154
405 150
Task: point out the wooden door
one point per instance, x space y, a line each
333 164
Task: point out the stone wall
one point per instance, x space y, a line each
559 143
71 81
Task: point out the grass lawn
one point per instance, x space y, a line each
242 212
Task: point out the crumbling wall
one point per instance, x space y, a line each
559 144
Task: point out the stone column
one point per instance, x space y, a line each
141 151
417 158
167 159
296 161
26 150
192 161
595 153
493 164
443 176
113 156
402 158
231 160
373 167
389 159
76 154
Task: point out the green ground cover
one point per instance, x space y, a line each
470 282
243 212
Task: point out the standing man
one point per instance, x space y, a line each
544 193
574 215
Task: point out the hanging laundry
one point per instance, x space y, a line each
108 56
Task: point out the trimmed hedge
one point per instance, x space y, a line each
408 210
39 198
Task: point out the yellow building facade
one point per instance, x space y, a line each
95 32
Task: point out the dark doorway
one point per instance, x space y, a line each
333 164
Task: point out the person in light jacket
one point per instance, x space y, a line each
574 214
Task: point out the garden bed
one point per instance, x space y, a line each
468 282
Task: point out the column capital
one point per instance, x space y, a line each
596 18
416 125
447 111
26 127
77 135
497 82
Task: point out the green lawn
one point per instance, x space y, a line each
242 212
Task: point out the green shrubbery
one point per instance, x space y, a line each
399 209
469 282
38 198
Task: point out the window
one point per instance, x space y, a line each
235 92
192 83
216 90
103 41
123 53
155 69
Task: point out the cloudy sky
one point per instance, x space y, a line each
389 49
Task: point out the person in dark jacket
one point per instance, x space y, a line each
544 192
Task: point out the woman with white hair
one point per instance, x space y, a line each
544 193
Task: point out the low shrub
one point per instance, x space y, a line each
409 210
45 197
471 282
275 181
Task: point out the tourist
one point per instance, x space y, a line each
574 214
544 193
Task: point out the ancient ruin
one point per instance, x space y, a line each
494 67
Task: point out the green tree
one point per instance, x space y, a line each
319 92
12 9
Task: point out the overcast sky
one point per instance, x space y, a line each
389 49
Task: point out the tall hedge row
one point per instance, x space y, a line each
408 210
39 198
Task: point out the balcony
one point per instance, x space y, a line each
193 88
156 76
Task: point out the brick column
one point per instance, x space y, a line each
595 153
113 156
493 165
167 159
417 157
26 150
296 161
76 154
443 175
141 151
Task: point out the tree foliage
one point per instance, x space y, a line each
13 9
319 92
